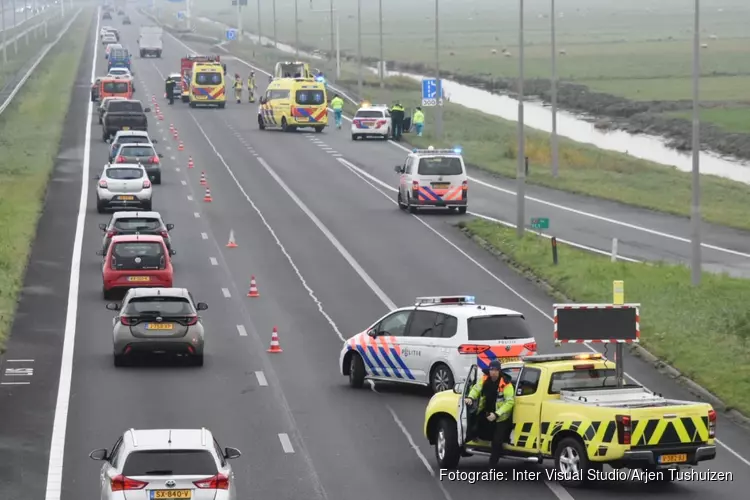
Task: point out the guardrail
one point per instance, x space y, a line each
25 33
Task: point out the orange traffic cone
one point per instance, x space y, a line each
233 244
171 127
275 346
207 198
253 286
161 117
174 135
190 162
180 147
153 97
203 179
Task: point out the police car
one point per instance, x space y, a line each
435 342
432 178
371 120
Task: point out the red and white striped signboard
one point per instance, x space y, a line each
597 323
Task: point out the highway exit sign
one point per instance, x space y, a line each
539 223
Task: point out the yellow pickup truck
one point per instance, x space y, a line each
568 409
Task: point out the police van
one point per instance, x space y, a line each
433 178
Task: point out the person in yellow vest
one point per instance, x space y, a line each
337 103
237 88
251 87
418 121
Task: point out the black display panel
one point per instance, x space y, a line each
618 323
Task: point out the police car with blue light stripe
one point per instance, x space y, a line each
433 178
434 343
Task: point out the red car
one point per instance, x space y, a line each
136 261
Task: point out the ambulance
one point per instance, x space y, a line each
292 103
186 68
207 86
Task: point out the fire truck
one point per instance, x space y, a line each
186 66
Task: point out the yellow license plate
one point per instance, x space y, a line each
139 278
155 494
441 186
159 326
673 459
126 198
510 359
126 128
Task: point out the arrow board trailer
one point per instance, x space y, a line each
599 324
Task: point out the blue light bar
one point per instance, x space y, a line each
451 299
457 150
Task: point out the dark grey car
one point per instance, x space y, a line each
143 154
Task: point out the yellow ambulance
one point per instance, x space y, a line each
292 103
207 85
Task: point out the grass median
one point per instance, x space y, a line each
30 131
702 331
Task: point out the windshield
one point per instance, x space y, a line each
440 165
291 70
159 306
498 328
119 72
116 88
170 463
310 97
124 174
137 224
273 95
370 113
208 78
137 151
132 139
125 106
138 255
582 379
118 54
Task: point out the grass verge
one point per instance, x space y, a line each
30 131
691 328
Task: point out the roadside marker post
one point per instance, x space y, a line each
618 299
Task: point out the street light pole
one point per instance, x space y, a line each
521 167
275 40
296 28
359 48
260 33
695 207
332 54
239 21
381 64
5 51
554 145
439 84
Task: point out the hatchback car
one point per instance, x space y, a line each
126 20
136 223
143 154
123 186
106 15
149 464
128 137
134 261
158 321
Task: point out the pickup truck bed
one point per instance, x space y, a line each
124 115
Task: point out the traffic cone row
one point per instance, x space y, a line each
190 162
153 97
175 135
203 179
207 198
233 244
275 346
181 147
171 127
253 292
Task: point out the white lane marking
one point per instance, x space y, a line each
286 444
337 155
261 379
177 169
241 330
15 383
384 185
183 182
169 148
173 158
190 197
213 260
197 215
226 293
204 236
60 423
19 360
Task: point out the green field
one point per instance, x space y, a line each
677 326
30 131
26 52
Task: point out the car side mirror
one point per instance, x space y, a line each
103 227
201 306
113 306
100 454
147 110
100 253
170 227
458 388
372 333
173 252
232 453
397 169
160 155
155 141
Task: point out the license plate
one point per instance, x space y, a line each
155 494
159 326
368 124
673 459
441 186
302 118
126 128
139 278
510 359
126 198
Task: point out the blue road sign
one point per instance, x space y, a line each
231 34
181 15
429 92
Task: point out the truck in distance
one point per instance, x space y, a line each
150 41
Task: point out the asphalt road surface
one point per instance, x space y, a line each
330 252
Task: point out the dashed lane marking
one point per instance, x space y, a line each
241 330
183 182
213 260
286 444
226 293
204 236
261 379
197 215
190 197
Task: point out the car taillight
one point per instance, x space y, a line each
218 482
127 321
415 185
192 320
155 159
584 367
380 123
164 234
120 159
122 483
103 184
530 346
146 183
465 185
472 348
357 122
711 423
623 429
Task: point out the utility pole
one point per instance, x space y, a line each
239 21
187 14
695 207
5 51
359 48
521 167
296 28
332 54
554 144
275 39
260 33
438 83
382 61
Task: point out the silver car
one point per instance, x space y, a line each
123 186
136 223
147 464
158 321
128 137
143 154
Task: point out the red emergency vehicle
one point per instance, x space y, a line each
186 67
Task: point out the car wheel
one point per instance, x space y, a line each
319 129
412 208
462 210
147 205
222 105
441 378
192 105
197 360
261 125
284 125
107 294
105 135
157 179
401 205
447 450
572 460
354 137
100 208
120 360
356 371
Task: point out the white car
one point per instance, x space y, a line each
123 186
372 121
122 73
434 343
108 39
146 464
433 178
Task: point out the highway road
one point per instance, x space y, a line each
331 253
